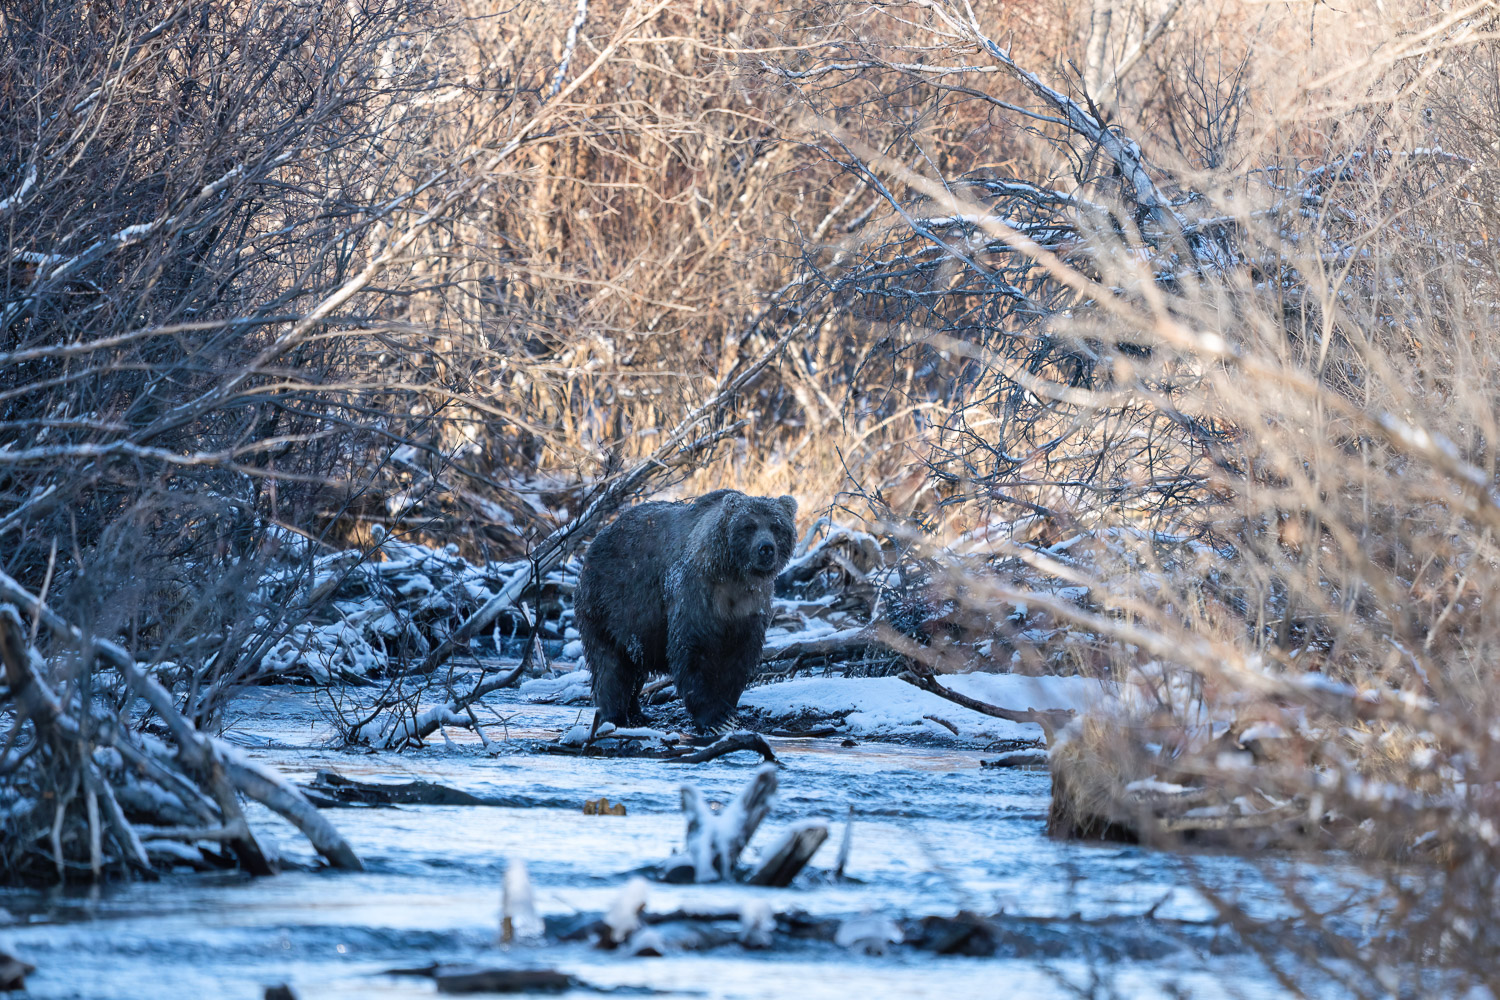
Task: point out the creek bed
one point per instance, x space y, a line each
934 833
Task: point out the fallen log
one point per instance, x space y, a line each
332 790
507 981
851 641
462 979
1017 758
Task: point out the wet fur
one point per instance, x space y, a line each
682 589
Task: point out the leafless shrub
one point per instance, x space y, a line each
1216 399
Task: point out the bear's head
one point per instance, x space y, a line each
761 532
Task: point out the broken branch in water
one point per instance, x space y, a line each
716 837
795 849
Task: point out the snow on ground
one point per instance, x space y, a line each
888 706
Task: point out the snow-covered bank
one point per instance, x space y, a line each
890 707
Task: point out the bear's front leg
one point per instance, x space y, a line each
710 687
711 669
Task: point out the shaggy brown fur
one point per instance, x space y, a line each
682 589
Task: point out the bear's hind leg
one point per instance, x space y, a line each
616 684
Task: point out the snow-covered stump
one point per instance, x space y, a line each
716 838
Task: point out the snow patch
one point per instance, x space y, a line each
565 689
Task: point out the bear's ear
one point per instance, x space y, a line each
789 507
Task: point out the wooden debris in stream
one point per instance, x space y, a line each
330 790
653 744
754 925
792 854
13 973
717 837
466 979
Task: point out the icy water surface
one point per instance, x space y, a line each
934 833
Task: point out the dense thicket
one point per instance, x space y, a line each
1156 339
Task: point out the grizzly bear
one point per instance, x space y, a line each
682 589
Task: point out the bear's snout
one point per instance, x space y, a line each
765 554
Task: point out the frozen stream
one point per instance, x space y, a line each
934 834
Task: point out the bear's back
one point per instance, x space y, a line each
621 590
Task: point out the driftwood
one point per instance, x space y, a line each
1018 758
1117 938
456 979
715 839
848 642
507 981
1050 719
331 790
791 855
206 774
742 740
